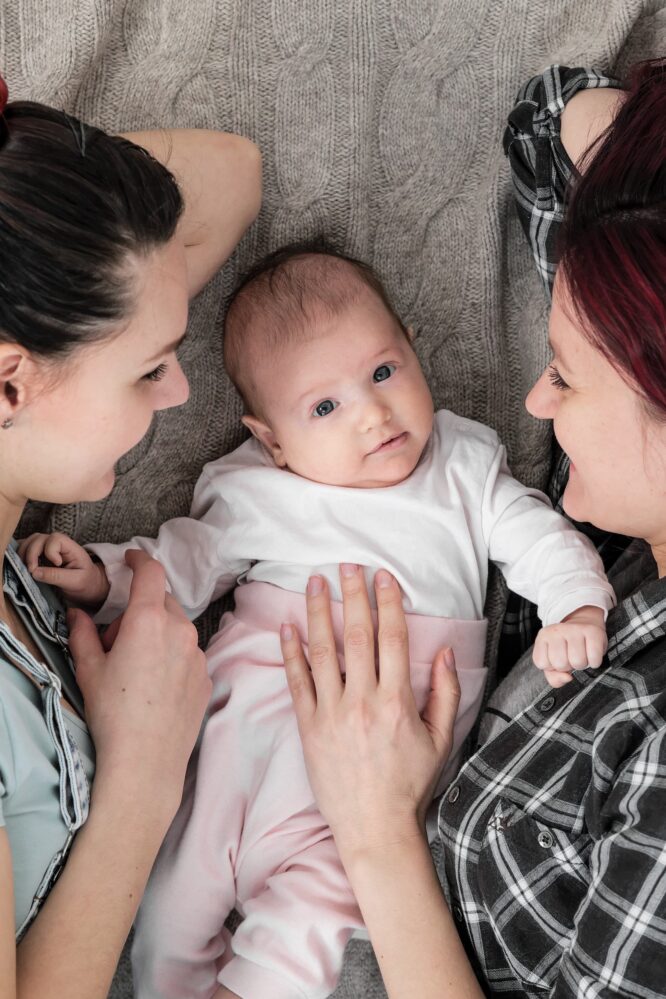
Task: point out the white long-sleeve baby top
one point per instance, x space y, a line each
436 531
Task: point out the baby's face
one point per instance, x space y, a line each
349 407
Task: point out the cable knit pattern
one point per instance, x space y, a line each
380 126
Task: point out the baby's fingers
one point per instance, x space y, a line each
596 644
577 651
557 677
71 582
30 549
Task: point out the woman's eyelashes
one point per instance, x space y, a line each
556 378
156 374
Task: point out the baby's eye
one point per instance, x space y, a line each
325 407
383 372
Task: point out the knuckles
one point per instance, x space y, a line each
320 653
393 637
358 638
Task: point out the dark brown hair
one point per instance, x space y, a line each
75 205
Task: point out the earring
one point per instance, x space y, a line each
6 424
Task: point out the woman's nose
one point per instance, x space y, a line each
543 398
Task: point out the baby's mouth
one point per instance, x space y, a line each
390 443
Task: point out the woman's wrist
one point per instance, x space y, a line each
388 842
133 790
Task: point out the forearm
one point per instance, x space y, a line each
219 175
417 945
72 949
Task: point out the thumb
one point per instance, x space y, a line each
443 701
84 644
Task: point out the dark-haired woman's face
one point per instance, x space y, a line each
618 455
102 401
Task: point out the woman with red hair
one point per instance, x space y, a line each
554 858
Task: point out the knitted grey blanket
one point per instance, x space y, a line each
380 124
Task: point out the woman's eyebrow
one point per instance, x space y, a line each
557 352
168 348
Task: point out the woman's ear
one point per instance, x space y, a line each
16 372
266 437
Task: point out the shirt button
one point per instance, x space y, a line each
457 913
545 839
547 703
453 794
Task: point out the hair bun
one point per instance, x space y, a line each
4 94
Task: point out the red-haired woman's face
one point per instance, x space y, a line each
618 454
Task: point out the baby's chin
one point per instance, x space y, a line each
379 479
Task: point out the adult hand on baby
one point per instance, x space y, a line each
145 697
373 763
72 570
577 642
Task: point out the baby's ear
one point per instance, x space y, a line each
265 436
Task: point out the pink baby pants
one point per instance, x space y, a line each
248 834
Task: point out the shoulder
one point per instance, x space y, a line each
547 94
465 447
458 432
246 458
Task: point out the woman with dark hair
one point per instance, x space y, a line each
100 250
554 832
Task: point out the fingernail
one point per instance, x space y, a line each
449 659
286 632
348 568
315 585
383 579
37 574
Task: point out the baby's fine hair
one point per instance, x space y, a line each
284 297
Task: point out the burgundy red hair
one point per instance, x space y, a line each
613 240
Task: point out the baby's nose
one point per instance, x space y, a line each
374 414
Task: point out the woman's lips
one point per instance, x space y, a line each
391 444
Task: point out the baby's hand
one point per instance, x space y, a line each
575 643
72 570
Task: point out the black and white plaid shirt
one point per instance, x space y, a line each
554 832
541 171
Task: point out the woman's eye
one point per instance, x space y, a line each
325 407
156 374
383 372
556 378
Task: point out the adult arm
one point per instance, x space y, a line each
152 680
219 175
373 764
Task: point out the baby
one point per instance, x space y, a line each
348 463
